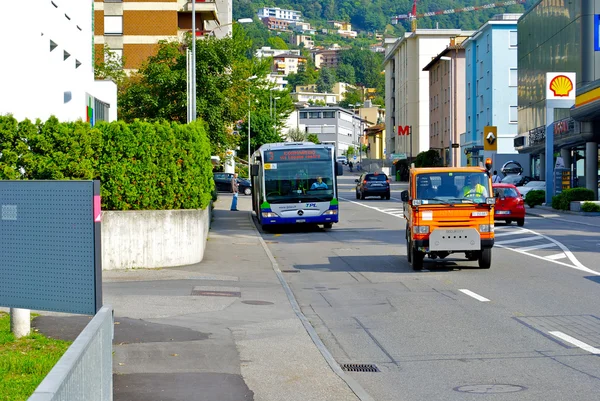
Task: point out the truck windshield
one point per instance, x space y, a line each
299 181
452 187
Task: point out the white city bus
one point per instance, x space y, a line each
295 182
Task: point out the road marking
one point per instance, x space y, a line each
557 256
392 212
476 296
539 246
504 234
516 240
575 342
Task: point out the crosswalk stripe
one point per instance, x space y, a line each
513 241
557 256
504 234
534 247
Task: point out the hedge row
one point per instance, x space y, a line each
563 200
141 166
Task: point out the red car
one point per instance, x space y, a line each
509 204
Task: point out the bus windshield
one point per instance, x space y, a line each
299 181
452 187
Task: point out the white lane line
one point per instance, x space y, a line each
557 256
506 233
539 246
575 342
516 240
476 296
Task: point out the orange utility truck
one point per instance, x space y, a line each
449 210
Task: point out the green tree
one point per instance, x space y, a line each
430 158
352 96
296 135
314 138
262 131
276 42
345 73
326 80
110 67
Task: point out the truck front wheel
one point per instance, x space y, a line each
485 258
416 258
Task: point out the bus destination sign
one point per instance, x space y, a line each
274 156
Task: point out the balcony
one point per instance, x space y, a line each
205 9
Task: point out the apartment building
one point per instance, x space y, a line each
329 58
305 40
48 68
280 14
285 64
407 87
447 102
266 51
132 29
492 83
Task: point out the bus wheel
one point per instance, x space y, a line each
328 225
485 258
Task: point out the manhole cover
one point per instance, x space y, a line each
257 302
489 388
359 367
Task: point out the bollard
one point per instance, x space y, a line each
20 322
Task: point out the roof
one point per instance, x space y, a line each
437 58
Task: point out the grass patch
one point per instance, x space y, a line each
24 362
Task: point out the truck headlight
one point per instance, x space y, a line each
421 229
267 215
486 228
331 212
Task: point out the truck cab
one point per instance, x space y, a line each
449 210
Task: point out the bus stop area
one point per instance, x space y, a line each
223 329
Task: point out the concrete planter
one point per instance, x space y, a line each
153 238
576 206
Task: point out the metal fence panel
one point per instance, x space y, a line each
85 371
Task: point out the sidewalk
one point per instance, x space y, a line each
220 330
592 219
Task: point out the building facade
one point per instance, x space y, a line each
132 29
491 90
407 87
560 37
285 64
51 72
329 58
447 103
280 14
266 51
332 125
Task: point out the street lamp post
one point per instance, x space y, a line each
275 113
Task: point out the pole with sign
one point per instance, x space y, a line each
490 141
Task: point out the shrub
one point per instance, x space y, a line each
564 199
590 207
535 197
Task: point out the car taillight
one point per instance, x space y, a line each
365 182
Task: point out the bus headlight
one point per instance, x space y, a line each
421 229
486 228
330 212
267 215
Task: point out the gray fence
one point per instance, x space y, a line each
85 371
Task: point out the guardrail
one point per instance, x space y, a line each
85 371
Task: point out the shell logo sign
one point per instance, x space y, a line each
560 86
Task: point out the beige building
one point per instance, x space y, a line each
447 102
407 87
375 141
285 64
132 29
299 39
327 57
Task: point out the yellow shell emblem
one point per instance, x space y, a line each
561 85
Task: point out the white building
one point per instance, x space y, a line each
277 79
407 87
266 51
278 13
51 70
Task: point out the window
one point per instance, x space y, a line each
512 77
329 114
512 115
314 114
469 90
487 42
113 25
118 55
512 39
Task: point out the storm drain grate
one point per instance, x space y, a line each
290 271
359 367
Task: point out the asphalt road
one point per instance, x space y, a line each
526 329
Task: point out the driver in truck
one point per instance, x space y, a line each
474 187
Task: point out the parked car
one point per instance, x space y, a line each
373 184
509 204
223 183
537 185
342 159
516 179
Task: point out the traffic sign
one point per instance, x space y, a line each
490 138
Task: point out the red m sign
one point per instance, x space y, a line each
404 130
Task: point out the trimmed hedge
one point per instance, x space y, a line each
535 197
563 200
141 166
590 207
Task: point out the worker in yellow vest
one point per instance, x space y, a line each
474 188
